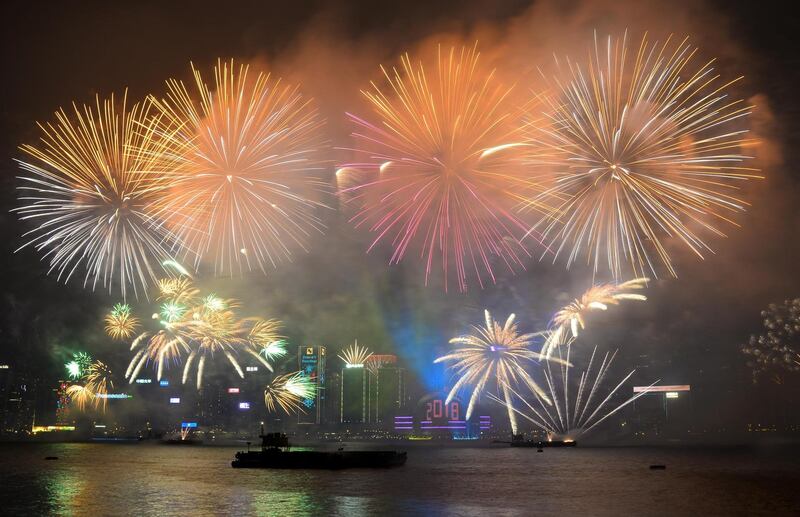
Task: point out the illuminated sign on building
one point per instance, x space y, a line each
187 425
233 390
244 405
113 396
99 426
661 389
143 381
4 367
672 394
163 383
175 400
435 414
311 362
251 368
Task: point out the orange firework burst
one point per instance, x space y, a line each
248 188
641 146
438 169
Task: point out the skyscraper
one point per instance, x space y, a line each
386 388
354 389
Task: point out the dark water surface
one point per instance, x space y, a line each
151 479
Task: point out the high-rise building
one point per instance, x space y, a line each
311 361
354 389
386 388
17 400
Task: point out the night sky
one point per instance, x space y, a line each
689 330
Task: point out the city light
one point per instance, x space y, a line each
233 390
672 394
113 396
175 400
163 382
251 368
659 389
244 405
51 428
143 381
188 425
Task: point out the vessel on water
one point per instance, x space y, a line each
275 453
519 441
182 441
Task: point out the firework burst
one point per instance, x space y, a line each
199 327
288 392
90 180
777 348
568 320
120 323
78 365
640 145
355 355
81 396
496 352
247 188
438 171
98 380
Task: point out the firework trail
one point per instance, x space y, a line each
572 414
493 352
566 322
88 186
778 346
438 168
288 392
640 145
247 188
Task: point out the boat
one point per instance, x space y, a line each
519 441
276 453
179 441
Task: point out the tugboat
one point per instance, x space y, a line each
519 440
275 453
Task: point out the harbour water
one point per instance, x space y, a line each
154 479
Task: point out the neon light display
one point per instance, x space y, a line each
174 400
403 423
188 425
251 368
233 390
113 396
143 381
163 383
